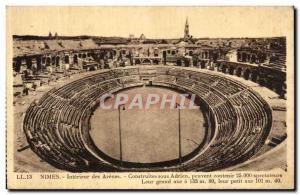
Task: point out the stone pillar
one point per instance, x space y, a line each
242 73
257 79
227 71
250 76
234 71
216 68
71 59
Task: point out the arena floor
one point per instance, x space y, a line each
148 135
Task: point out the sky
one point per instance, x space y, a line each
154 22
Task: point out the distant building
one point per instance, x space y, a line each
187 35
56 35
142 37
50 35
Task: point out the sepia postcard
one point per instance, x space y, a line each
103 97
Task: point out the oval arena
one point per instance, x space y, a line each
57 125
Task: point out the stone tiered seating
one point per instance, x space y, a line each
184 82
57 126
164 79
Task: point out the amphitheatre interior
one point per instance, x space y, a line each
239 85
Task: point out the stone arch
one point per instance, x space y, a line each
43 60
246 74
92 68
155 61
57 61
164 57
38 63
178 62
110 55
254 74
202 64
67 60
48 61
253 58
195 61
75 59
18 64
53 60
147 61
239 71
231 70
224 68
137 61
29 63
206 55
190 53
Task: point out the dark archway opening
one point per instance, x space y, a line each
75 59
178 62
92 68
186 62
48 61
43 60
239 72
224 68
202 64
17 65
38 63
244 57
254 76
137 61
231 70
53 60
246 74
165 57
67 60
29 63
146 61
57 59
155 62
253 59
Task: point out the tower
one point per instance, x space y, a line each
186 30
